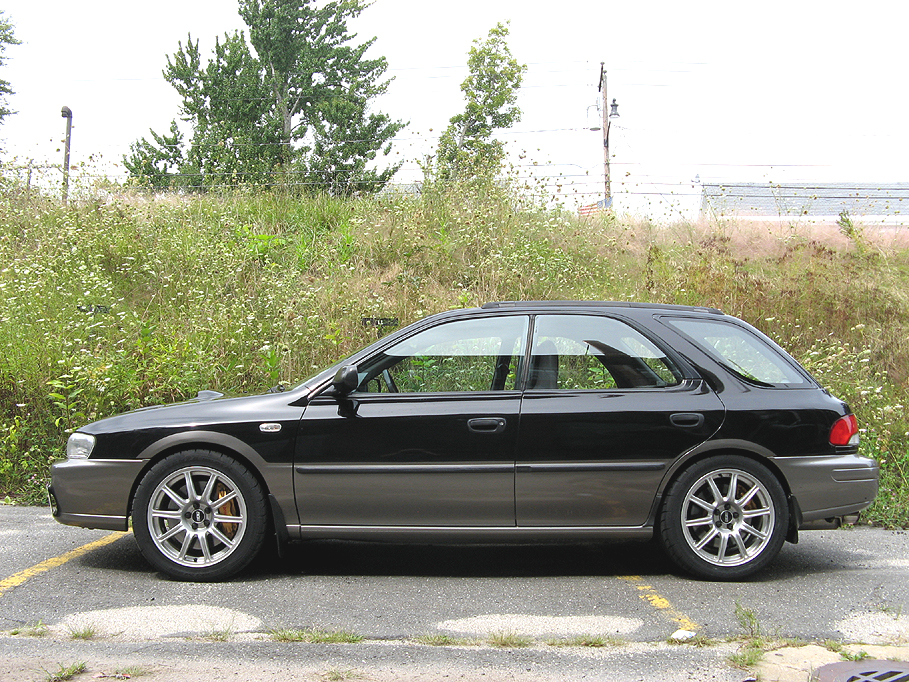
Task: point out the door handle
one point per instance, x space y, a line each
486 425
687 420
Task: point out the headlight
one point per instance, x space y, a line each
80 445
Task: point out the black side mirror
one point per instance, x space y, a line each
346 380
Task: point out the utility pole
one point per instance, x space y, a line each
605 133
66 113
609 112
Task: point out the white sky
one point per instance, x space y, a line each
728 91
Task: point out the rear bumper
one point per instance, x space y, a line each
831 486
93 493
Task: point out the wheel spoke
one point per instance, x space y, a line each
702 503
206 551
706 539
721 550
223 539
220 518
717 495
221 501
209 487
179 501
751 530
743 550
754 513
699 521
747 497
187 543
172 532
173 515
190 488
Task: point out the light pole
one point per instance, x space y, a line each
608 113
66 113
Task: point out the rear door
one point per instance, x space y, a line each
605 411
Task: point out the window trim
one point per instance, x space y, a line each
687 372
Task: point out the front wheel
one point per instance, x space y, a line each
199 515
724 518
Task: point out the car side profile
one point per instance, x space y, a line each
513 422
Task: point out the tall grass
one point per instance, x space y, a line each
130 301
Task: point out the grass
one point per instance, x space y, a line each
444 640
84 632
39 629
65 672
124 302
314 636
508 640
592 641
219 634
337 674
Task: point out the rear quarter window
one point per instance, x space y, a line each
740 350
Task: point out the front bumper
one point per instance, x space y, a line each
93 493
831 486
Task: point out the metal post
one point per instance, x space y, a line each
66 113
605 133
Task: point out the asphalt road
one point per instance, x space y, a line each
843 585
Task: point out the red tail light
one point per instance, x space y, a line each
845 431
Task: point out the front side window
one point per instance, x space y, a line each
741 351
586 352
468 355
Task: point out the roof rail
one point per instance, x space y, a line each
598 304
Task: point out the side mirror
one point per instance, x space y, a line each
346 380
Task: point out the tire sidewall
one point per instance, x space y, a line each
247 485
672 535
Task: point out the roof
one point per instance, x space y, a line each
797 199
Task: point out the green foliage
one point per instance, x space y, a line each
292 106
7 37
467 150
106 307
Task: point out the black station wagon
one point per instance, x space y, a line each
517 421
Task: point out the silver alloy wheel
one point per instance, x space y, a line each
728 517
197 516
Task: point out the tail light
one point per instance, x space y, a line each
845 431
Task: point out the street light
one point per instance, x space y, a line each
66 113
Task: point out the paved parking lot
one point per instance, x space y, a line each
842 585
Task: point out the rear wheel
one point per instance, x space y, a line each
724 518
199 515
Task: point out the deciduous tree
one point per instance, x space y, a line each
467 148
292 105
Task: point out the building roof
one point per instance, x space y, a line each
804 199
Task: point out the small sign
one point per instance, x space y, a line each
380 321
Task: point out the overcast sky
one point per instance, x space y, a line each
726 91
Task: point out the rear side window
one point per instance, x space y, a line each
746 354
586 352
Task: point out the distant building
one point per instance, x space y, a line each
820 202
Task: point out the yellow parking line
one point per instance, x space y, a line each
18 578
660 602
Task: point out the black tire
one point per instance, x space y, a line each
199 516
724 518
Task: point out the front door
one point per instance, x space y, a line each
427 439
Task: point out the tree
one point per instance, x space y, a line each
7 37
297 107
467 149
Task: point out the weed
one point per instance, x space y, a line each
219 635
336 674
66 672
508 640
39 629
856 656
593 641
698 641
444 640
315 636
84 632
833 645
748 621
